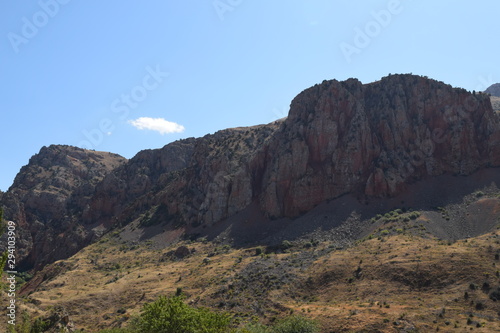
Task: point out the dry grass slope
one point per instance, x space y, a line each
398 278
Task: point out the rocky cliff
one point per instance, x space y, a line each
372 139
201 181
340 137
47 200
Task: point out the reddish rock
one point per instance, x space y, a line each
47 198
345 137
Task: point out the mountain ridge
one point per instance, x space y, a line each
341 137
46 198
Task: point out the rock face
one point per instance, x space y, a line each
340 137
372 139
130 181
47 199
205 180
494 90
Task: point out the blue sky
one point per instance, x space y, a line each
123 76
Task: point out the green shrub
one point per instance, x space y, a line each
285 245
255 328
414 215
40 325
296 324
172 315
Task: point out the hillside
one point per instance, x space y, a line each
394 276
371 207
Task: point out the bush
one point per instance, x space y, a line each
255 328
40 325
495 295
172 315
414 215
285 245
296 324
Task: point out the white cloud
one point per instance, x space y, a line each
157 124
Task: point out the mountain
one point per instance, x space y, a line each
370 141
339 138
48 198
371 207
493 90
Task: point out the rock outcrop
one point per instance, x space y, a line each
209 179
340 137
48 197
141 176
344 137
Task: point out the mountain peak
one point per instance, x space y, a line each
49 194
493 90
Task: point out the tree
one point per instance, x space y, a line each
172 315
296 324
